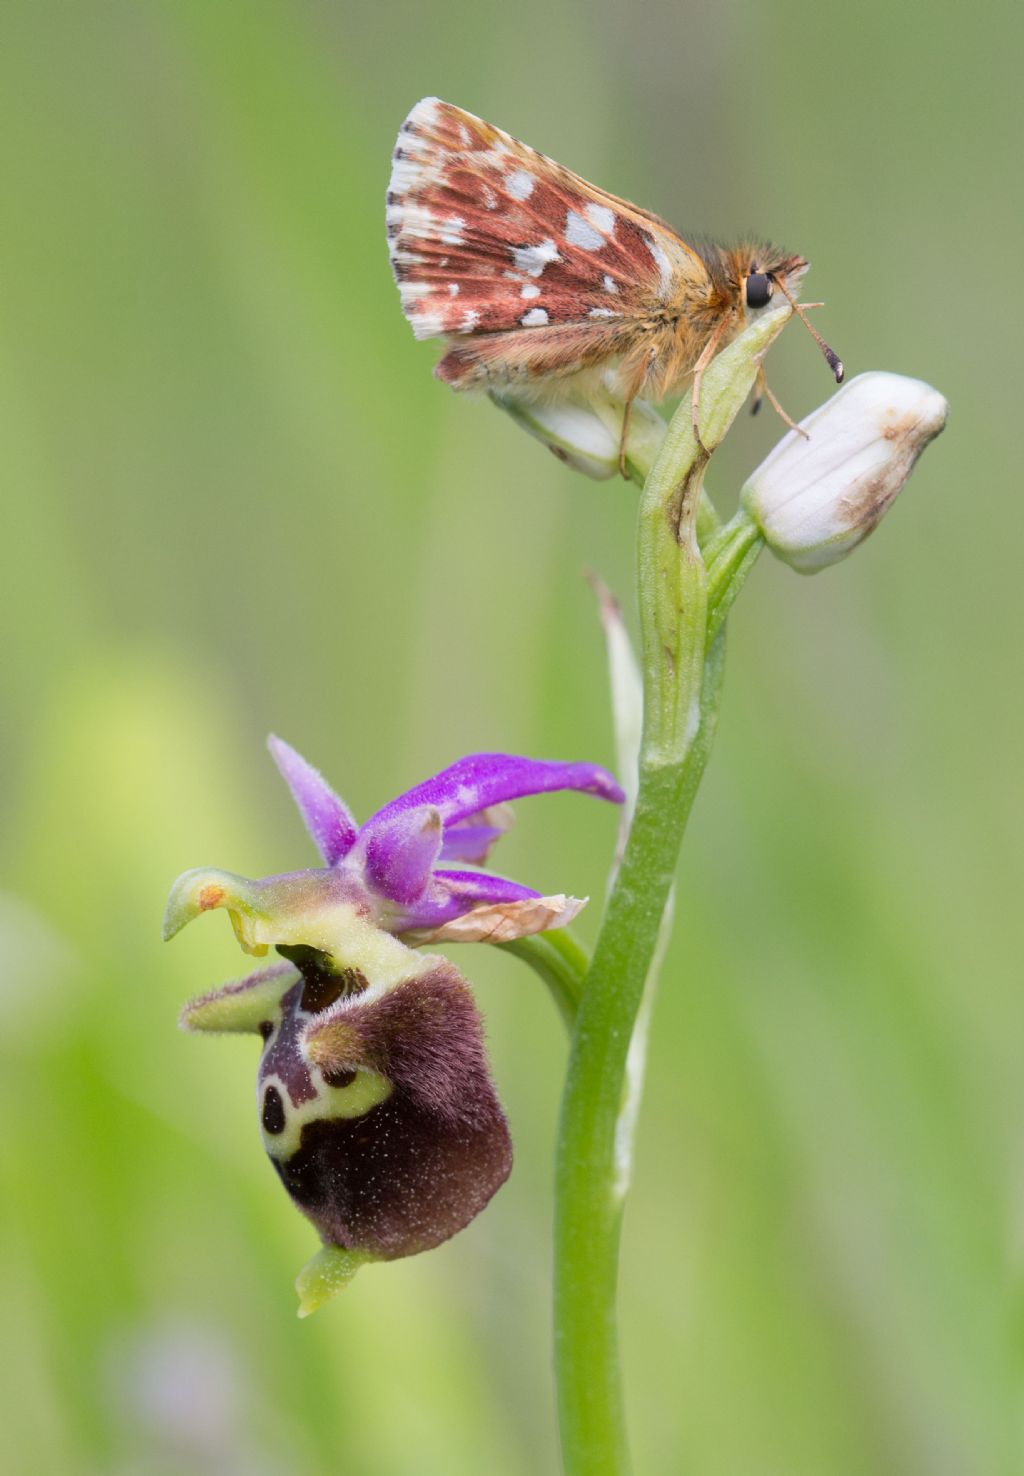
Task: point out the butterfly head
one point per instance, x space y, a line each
758 272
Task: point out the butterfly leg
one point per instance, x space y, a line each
762 385
707 353
622 439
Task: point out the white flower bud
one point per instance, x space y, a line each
586 433
815 499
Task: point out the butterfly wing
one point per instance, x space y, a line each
488 238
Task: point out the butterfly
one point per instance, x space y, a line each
546 286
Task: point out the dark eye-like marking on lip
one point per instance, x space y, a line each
759 289
274 1119
343 1077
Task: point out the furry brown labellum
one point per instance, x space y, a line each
376 1104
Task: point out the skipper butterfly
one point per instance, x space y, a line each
547 286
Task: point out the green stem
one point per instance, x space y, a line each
641 458
561 961
589 1216
730 555
681 676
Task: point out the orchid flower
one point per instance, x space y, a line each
376 1102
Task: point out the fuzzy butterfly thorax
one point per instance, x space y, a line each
544 283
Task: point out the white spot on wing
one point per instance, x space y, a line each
602 217
602 313
470 318
402 257
453 289
535 318
424 114
519 184
610 284
416 220
579 232
662 262
409 176
490 198
533 259
411 292
529 290
426 325
410 146
452 234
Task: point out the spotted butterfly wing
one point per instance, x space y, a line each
536 274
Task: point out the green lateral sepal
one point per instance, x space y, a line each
243 1006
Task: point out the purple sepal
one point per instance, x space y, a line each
386 867
399 854
326 816
452 893
484 779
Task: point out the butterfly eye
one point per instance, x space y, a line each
759 289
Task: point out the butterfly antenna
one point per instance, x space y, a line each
833 360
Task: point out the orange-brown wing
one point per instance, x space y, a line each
488 237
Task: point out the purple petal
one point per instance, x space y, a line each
326 817
470 842
483 779
452 893
400 853
472 838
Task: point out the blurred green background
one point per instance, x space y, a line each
235 501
